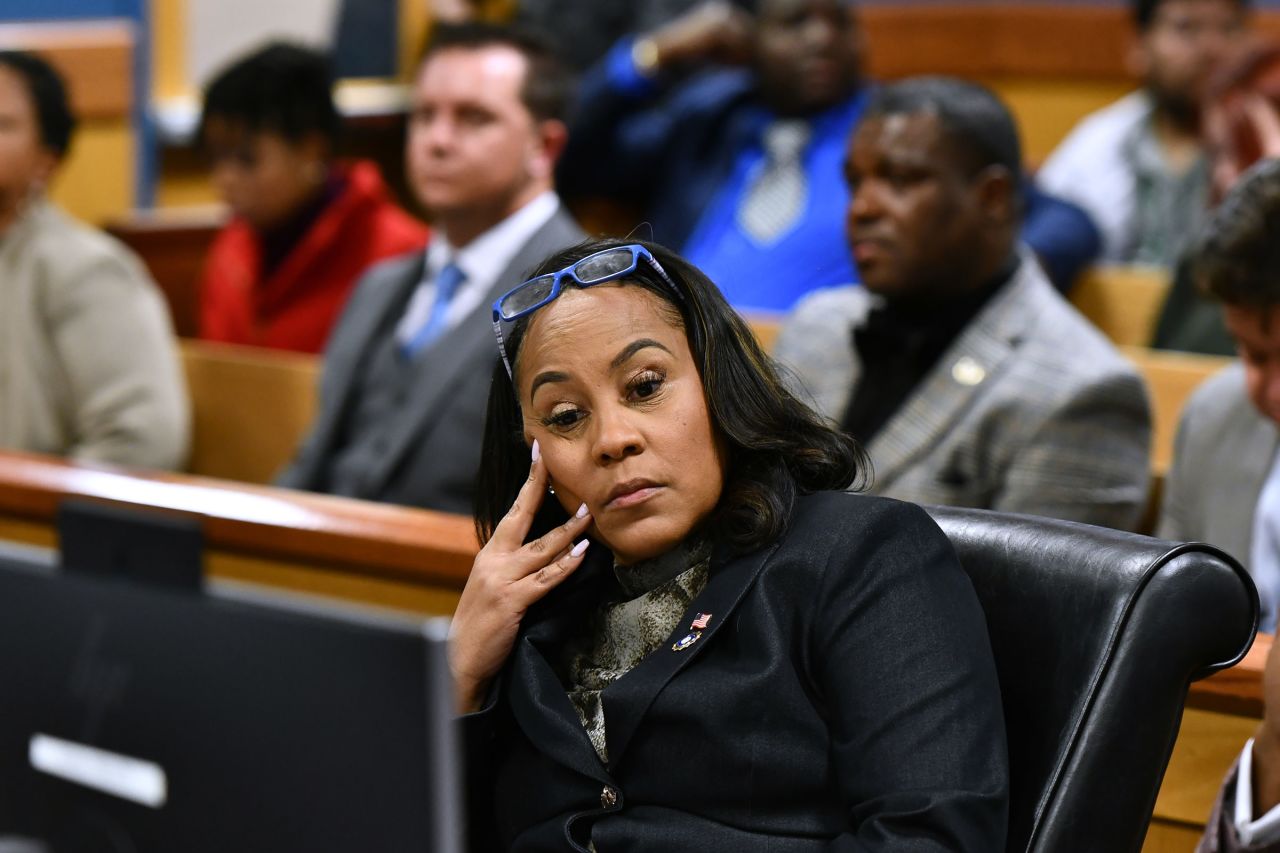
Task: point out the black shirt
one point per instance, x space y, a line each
899 344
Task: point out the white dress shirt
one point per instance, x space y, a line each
1252 833
483 260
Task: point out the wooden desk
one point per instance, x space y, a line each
393 556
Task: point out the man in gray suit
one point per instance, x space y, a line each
967 377
1224 487
406 372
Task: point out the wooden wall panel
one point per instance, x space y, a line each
1007 39
96 58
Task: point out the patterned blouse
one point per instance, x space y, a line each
657 592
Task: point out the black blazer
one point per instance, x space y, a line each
843 697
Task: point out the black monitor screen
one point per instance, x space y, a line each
135 718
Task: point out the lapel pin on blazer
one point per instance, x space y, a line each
699 624
966 371
686 641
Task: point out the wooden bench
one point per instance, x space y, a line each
1124 302
250 408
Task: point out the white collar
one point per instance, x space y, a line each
485 257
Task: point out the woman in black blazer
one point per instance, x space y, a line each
696 644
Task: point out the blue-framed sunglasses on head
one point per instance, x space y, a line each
606 265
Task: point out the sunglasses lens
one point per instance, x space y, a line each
527 297
604 266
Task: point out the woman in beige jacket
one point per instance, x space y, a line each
88 364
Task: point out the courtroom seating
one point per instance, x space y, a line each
250 408
172 243
1124 302
1097 635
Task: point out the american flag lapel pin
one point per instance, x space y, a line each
699 624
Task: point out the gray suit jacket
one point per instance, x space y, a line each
1221 460
432 458
1030 410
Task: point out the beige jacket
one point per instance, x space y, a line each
88 363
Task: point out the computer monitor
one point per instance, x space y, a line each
132 543
139 718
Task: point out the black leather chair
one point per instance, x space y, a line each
1097 635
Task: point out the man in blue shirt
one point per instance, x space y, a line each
727 132
738 165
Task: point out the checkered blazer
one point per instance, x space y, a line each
1030 410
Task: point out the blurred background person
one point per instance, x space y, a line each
88 365
725 131
1138 166
1224 486
735 161
969 380
402 395
1241 126
305 226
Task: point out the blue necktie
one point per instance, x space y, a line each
447 283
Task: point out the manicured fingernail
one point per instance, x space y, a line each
537 451
582 511
580 548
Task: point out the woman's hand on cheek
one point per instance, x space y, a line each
506 578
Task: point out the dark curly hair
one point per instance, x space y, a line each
777 447
1237 258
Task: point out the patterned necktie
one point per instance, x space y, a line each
1264 554
776 197
447 283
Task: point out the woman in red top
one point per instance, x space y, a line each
304 227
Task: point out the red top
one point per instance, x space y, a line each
295 306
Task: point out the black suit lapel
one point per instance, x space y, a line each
539 702
627 700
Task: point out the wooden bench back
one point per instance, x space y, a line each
250 407
1123 301
1170 378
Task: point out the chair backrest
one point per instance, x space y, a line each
250 408
1123 301
1097 634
